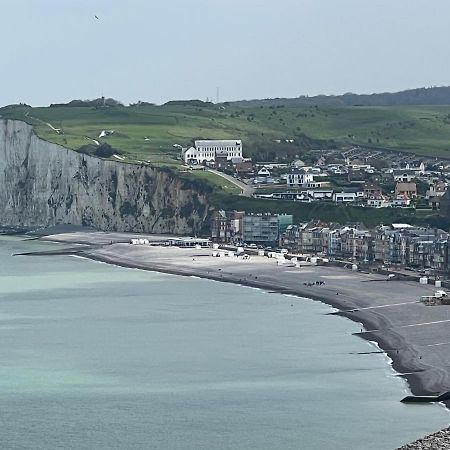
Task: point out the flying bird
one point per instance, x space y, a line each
97 17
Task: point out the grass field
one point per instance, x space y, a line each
148 133
213 180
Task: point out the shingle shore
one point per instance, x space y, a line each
436 441
415 337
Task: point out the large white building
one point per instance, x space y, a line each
299 177
207 151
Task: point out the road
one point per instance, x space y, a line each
246 190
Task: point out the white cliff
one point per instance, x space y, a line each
44 184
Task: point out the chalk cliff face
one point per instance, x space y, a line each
44 184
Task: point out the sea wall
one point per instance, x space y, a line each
43 184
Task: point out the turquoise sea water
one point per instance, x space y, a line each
99 357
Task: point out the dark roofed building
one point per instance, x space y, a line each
444 203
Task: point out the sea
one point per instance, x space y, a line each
94 356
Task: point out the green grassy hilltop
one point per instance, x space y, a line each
149 133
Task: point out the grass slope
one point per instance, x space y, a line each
146 134
419 129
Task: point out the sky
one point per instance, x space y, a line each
153 50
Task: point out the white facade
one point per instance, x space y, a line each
299 178
401 201
264 172
344 197
207 151
379 202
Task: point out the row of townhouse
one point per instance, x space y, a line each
351 241
406 245
399 244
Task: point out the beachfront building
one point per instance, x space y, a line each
264 228
189 242
357 244
410 246
260 228
226 226
206 151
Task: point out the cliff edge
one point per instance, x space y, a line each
43 184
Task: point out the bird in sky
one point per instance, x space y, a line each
97 17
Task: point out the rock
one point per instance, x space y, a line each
44 184
437 441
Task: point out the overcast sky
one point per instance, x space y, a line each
154 50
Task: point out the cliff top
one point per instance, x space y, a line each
145 132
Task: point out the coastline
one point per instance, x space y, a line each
412 335
402 363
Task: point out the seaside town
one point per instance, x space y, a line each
361 177
357 176
399 245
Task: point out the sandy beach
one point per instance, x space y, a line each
416 337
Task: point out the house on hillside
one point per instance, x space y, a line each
372 190
444 204
401 201
348 195
244 166
299 177
409 189
436 189
263 172
380 201
404 176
